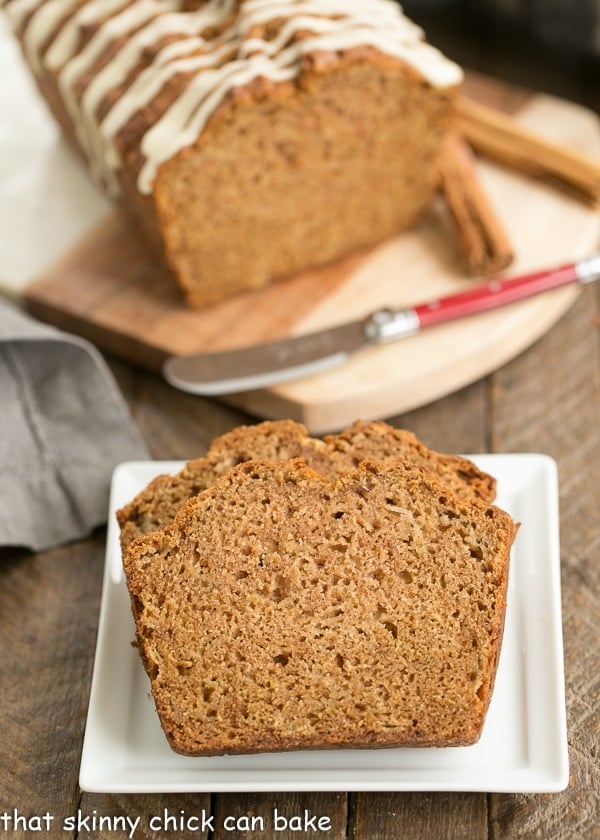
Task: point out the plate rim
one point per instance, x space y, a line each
529 779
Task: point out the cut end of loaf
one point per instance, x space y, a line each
285 611
317 183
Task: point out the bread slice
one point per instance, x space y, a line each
282 611
281 440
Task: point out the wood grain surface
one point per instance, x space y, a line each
547 400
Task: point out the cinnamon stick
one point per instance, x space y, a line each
501 138
484 244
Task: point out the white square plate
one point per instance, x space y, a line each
524 742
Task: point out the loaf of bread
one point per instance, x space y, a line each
280 440
248 139
282 610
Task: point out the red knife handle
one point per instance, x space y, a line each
493 294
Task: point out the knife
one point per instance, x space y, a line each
263 365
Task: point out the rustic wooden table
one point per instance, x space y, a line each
547 400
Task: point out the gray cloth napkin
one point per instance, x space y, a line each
63 427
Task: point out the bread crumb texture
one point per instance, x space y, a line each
280 440
285 610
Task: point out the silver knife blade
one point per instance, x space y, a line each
264 365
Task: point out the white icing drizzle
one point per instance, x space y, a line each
98 138
65 45
148 84
231 59
190 111
41 26
121 24
115 72
380 12
17 12
185 119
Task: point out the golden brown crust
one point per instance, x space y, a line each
158 503
366 611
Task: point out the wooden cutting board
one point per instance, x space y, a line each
107 290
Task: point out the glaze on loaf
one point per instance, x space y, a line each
249 140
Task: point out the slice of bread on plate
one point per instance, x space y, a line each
284 610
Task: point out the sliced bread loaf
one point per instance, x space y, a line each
282 440
282 610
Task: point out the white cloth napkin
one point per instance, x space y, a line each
63 427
